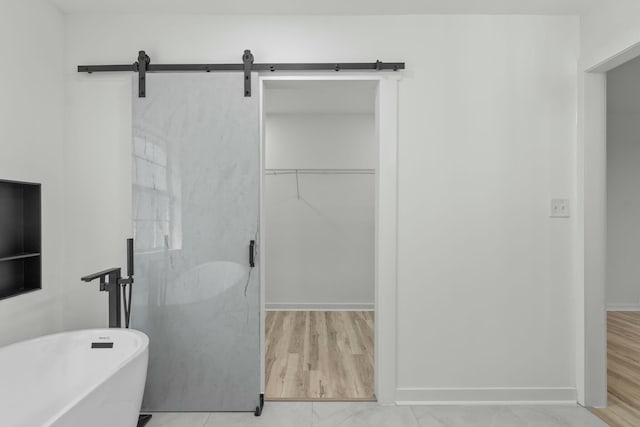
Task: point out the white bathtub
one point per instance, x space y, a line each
61 381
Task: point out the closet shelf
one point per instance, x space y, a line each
320 171
19 256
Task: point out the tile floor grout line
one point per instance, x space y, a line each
415 417
206 420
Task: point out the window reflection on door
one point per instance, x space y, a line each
157 209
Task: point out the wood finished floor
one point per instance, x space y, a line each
623 370
319 355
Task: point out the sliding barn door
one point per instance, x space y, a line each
195 212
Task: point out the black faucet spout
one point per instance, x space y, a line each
102 274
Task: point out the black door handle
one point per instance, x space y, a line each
252 245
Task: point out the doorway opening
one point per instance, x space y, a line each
622 245
320 158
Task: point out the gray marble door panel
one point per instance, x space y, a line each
195 209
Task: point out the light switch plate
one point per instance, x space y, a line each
559 208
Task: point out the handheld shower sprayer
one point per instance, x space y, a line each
128 281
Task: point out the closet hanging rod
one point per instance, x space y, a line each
320 171
143 65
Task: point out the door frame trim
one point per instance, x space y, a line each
591 233
386 224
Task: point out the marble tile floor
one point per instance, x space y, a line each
352 414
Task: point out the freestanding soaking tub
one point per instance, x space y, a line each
84 378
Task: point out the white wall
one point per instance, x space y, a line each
31 148
623 191
320 248
98 177
487 137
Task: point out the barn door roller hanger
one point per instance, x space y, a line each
143 66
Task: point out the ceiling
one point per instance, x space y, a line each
320 97
328 7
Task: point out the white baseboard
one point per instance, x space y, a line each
289 306
487 396
623 307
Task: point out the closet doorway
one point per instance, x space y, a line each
622 295
318 218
